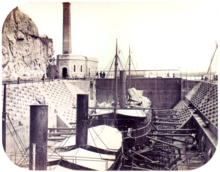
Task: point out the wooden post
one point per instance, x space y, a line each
82 119
34 156
38 136
4 120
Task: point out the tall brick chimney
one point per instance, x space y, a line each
67 45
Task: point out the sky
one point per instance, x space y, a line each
162 35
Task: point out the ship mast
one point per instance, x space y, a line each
129 57
116 89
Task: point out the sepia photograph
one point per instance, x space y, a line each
109 85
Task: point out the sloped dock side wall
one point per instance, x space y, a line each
187 85
164 93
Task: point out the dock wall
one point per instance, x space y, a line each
164 93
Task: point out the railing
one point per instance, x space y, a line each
160 73
134 74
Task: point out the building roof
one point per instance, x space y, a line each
76 57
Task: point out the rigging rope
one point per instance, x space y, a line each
19 140
126 63
95 145
100 138
110 61
110 68
135 71
121 64
66 137
14 139
122 56
107 65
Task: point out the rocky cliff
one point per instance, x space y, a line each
25 54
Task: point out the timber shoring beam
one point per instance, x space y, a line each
167 119
114 108
174 130
175 139
138 168
63 133
156 154
174 161
158 165
162 150
180 131
131 156
55 138
154 126
144 157
175 135
164 142
61 129
138 160
166 115
182 161
167 123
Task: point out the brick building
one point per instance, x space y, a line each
72 66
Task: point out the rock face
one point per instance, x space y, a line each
25 54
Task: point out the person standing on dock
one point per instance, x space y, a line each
97 75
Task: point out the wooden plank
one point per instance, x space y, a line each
167 118
165 115
164 142
167 123
61 129
174 161
144 157
113 108
172 131
139 168
179 140
176 135
175 130
63 133
55 138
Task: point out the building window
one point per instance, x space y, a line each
81 68
74 68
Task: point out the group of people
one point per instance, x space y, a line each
101 75
168 75
206 78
